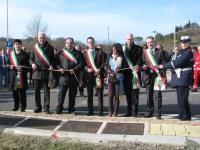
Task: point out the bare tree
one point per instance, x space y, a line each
35 26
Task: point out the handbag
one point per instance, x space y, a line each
112 79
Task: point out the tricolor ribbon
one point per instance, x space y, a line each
160 82
90 60
69 56
18 78
13 59
41 54
135 79
98 82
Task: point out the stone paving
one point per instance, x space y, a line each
103 124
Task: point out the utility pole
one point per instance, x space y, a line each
7 20
174 23
108 30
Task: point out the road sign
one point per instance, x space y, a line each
9 43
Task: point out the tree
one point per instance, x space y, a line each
159 38
138 40
35 26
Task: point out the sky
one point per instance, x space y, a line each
82 18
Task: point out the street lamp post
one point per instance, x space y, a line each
174 23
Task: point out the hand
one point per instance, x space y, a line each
62 71
160 66
144 67
11 67
19 68
137 68
34 67
50 68
71 71
98 72
109 71
89 70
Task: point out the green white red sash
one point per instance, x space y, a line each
90 60
13 59
135 79
41 54
98 82
69 56
151 60
160 82
18 78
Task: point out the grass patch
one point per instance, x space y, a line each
19 142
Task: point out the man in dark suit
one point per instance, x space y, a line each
181 67
41 59
98 74
154 97
132 52
18 75
68 79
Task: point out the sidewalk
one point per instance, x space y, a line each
102 129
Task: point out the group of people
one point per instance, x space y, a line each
126 68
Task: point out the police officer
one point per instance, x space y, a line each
181 76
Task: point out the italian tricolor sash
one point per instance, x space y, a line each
135 79
160 82
150 58
98 82
90 60
18 78
41 54
69 56
13 59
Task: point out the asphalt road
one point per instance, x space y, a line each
169 101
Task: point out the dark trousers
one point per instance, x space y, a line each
81 89
113 90
132 97
90 91
183 103
61 97
154 100
19 98
38 85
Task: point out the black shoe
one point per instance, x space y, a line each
58 112
72 112
81 95
90 114
127 115
148 115
23 110
100 113
47 111
15 109
185 119
37 110
158 116
134 114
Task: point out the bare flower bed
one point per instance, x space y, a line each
13 142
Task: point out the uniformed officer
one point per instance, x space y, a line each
181 76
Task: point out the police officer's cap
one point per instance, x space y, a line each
185 39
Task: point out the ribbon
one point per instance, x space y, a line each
41 54
69 56
160 82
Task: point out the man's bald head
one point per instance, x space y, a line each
129 39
